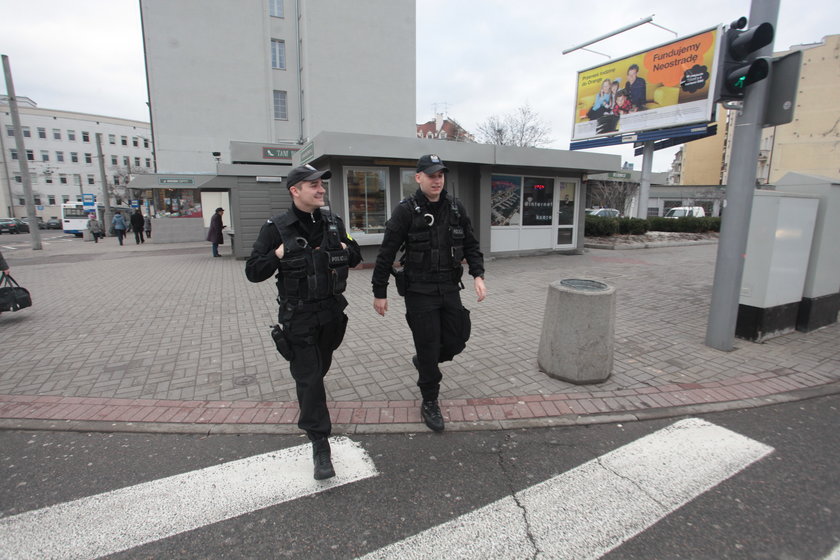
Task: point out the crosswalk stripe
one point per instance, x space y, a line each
592 509
122 519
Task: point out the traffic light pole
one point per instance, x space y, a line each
740 188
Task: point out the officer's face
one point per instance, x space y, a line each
431 185
308 195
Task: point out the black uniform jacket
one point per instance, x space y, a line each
396 233
263 263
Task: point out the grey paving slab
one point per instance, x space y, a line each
170 323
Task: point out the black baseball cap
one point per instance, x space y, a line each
431 163
305 173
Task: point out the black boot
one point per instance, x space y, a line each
430 412
321 458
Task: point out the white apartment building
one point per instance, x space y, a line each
275 73
61 153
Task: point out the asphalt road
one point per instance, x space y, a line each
784 506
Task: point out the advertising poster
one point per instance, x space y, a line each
663 87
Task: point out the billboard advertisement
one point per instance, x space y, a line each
663 87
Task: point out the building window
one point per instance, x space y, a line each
278 54
148 162
124 140
134 141
51 200
112 138
366 199
116 179
59 156
26 132
13 153
85 136
37 200
275 8
65 198
48 178
18 179
45 155
281 109
62 178
71 135
125 161
22 201
42 133
74 157
90 179
30 155
78 198
145 142
56 134
137 162
77 180
88 158
114 160
10 130
505 200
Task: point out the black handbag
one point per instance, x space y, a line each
12 296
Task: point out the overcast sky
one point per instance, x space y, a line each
475 58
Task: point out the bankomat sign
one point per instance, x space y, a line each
663 87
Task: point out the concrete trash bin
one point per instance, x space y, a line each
576 344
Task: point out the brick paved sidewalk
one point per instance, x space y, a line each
166 338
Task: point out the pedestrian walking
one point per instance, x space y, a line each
4 266
437 234
94 227
309 250
137 224
214 234
119 226
147 226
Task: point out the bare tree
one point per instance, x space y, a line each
612 194
523 127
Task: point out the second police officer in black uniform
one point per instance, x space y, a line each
436 233
311 253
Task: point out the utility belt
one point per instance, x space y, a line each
319 312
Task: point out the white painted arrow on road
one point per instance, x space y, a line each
592 509
122 519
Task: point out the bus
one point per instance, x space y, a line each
74 217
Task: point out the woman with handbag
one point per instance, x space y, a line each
4 268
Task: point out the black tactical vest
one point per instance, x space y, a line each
435 247
308 275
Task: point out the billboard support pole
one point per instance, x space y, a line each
644 185
740 188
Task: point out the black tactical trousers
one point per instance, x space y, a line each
440 326
314 335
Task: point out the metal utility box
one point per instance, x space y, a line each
778 249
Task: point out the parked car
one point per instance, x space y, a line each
22 227
53 223
8 225
686 212
39 219
604 212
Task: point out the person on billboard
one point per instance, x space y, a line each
603 101
622 105
636 88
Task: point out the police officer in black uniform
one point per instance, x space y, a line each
436 234
310 251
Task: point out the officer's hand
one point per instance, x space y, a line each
480 288
380 305
280 251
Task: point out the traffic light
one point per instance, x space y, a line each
736 70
